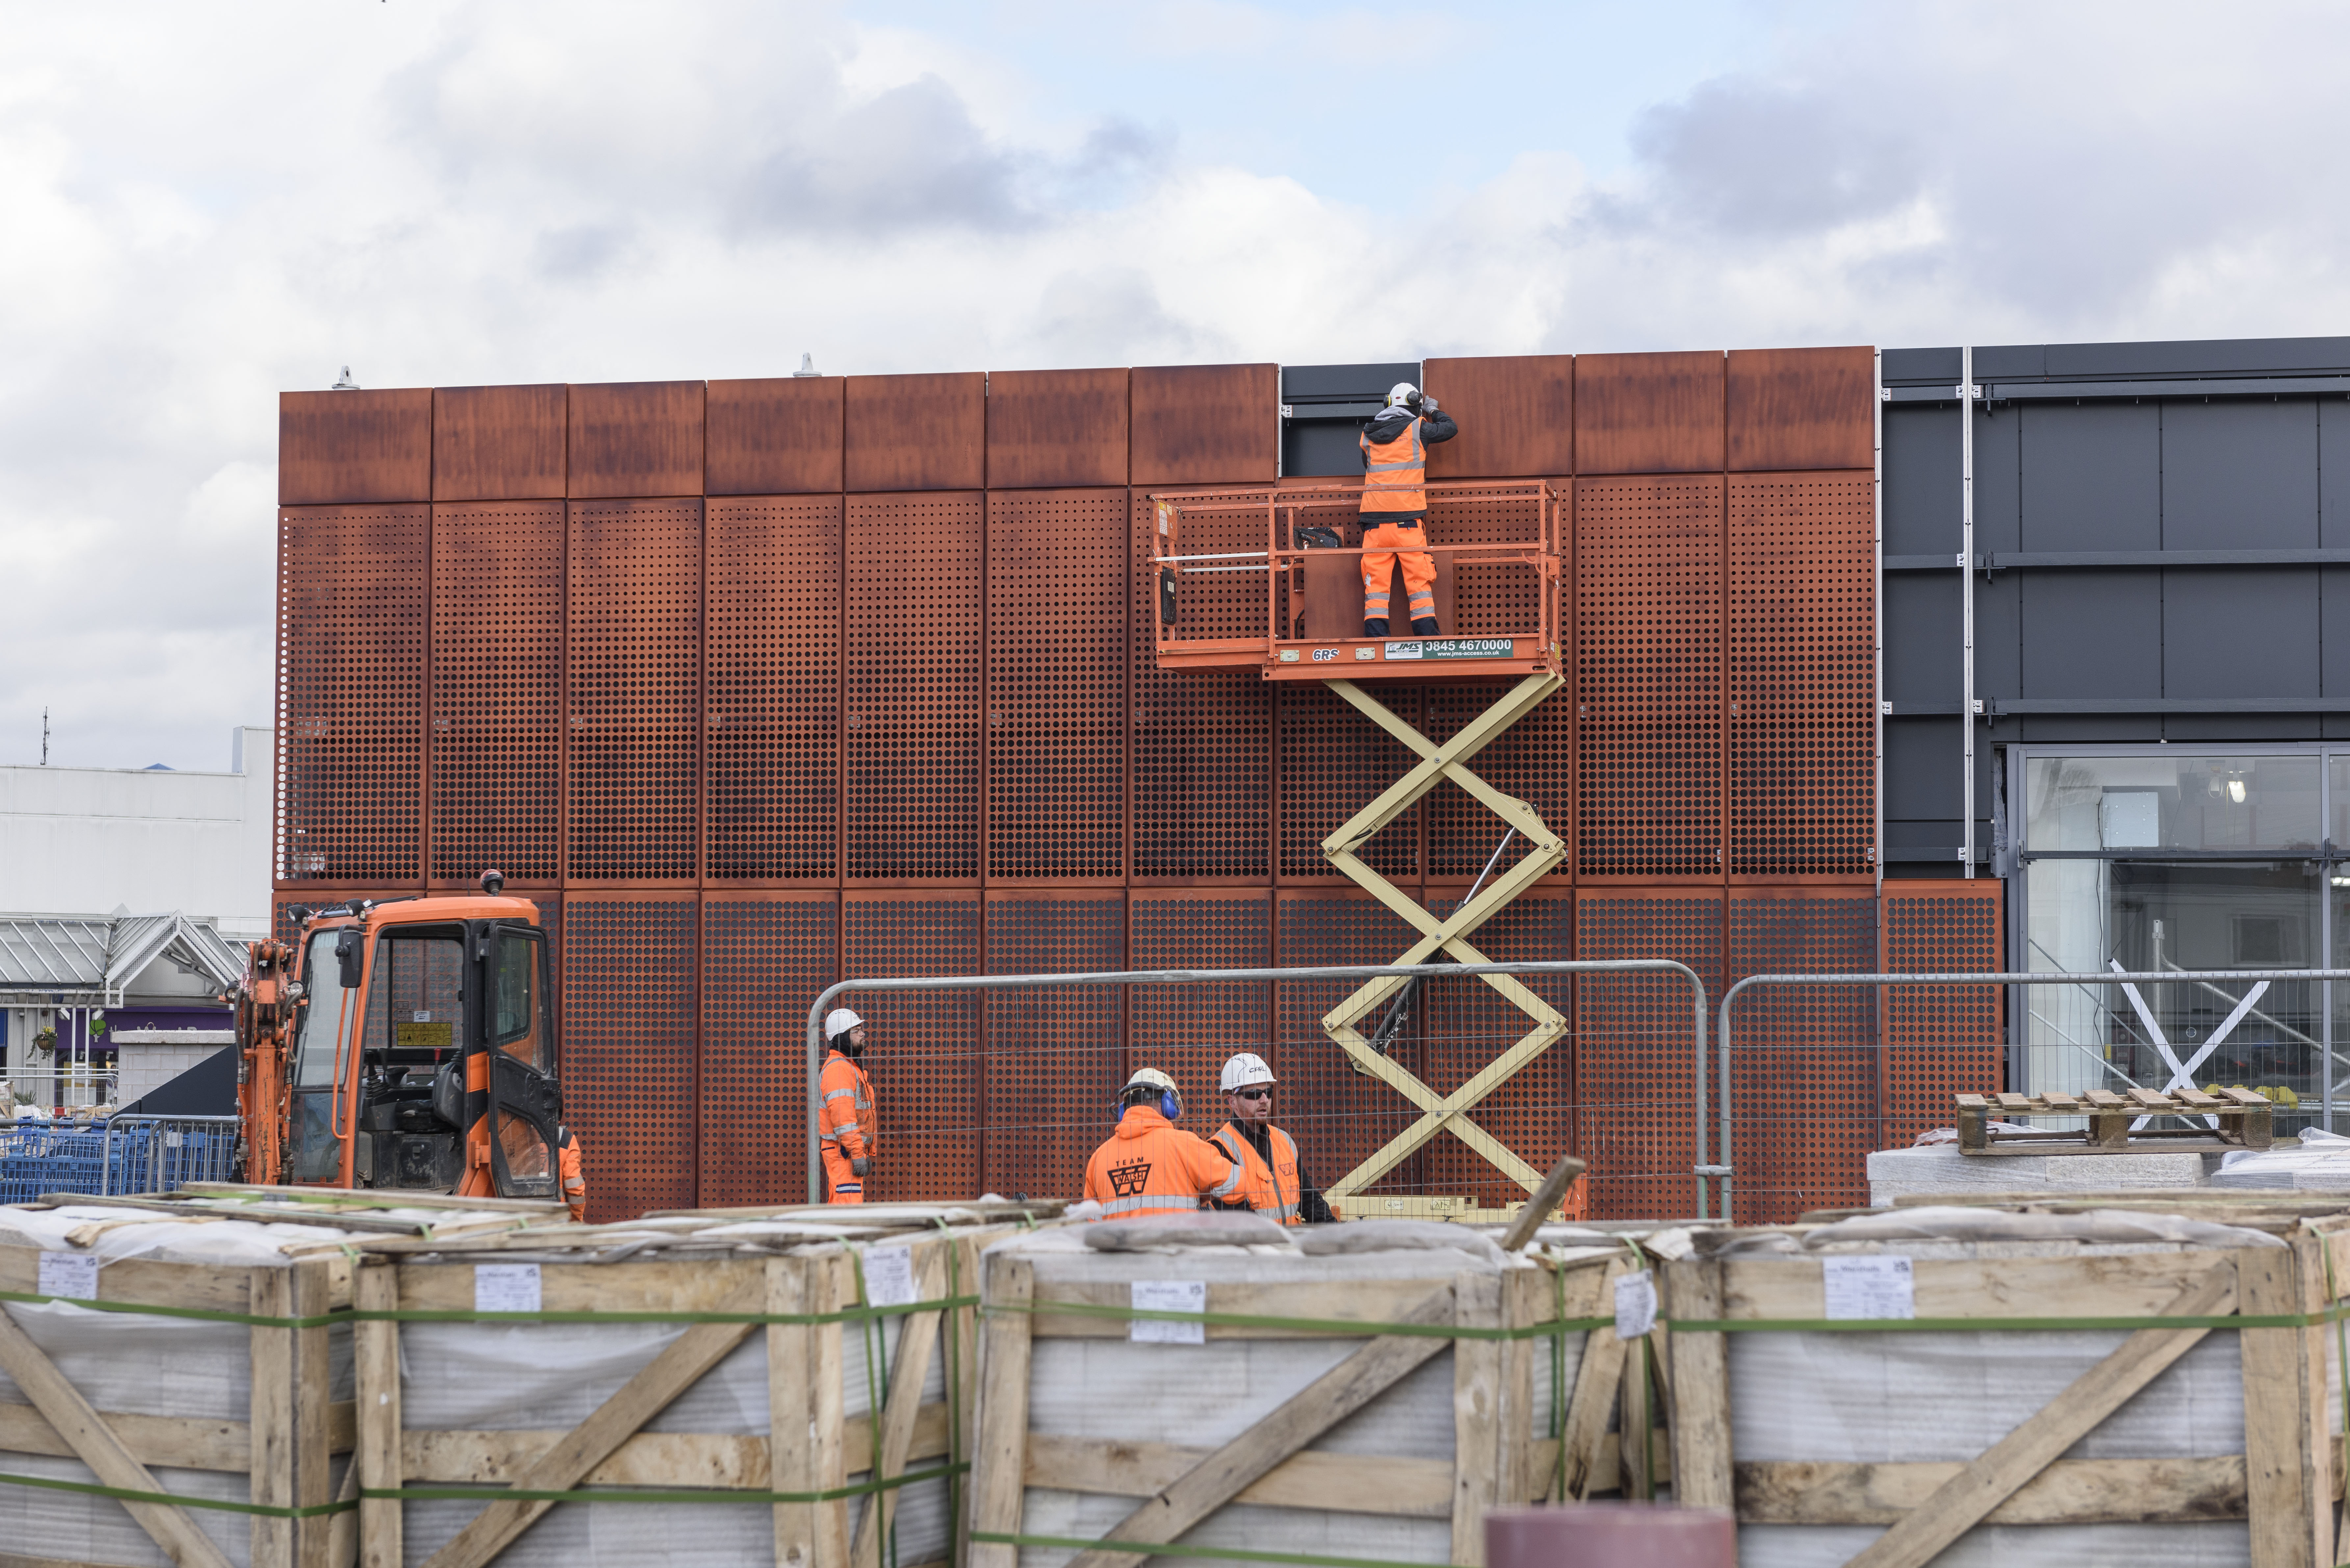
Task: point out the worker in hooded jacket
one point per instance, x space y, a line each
844 1119
1150 1166
1395 445
1273 1180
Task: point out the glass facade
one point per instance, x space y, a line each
2159 860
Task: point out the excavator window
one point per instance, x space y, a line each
316 1156
516 1026
416 995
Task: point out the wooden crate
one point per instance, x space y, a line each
2230 1120
282 1437
818 1435
1392 1446
2280 1491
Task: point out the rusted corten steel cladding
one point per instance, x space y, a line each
752 684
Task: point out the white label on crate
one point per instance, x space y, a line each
70 1275
890 1277
505 1287
1636 1305
1168 1295
1869 1287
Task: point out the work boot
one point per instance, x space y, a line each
1375 627
1424 626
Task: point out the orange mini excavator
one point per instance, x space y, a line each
408 1044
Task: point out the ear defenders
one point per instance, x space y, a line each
1170 1106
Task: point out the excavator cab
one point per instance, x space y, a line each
414 1047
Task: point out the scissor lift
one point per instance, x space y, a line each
1270 579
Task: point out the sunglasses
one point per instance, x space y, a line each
1253 1093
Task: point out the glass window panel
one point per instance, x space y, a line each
2171 801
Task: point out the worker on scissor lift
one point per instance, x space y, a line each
1150 1166
1273 1181
1395 505
845 1118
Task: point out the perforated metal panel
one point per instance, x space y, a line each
1803 1062
1203 754
1533 761
1333 763
1802 662
1648 676
1635 1065
633 689
629 1049
351 616
1338 1115
772 699
914 684
1491 599
1056 1057
1186 1031
497 691
1057 639
924 1050
1468 1024
1940 1040
764 957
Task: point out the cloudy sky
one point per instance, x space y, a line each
200 205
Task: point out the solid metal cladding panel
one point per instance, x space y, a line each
924 1046
350 447
497 690
1056 702
2270 646
1202 752
1922 500
2091 477
628 1061
1803 685
1055 1056
771 698
1055 428
1801 408
1647 645
1531 762
633 689
636 438
1940 1040
1804 1064
1634 1045
1468 1024
1188 1030
764 958
351 617
499 444
916 432
1333 763
914 686
1339 1115
1647 413
1516 414
1206 424
777 436
2092 634
2239 474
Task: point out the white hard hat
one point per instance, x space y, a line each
839 1022
1243 1070
1401 394
1153 1078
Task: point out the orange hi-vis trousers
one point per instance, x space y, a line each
1379 545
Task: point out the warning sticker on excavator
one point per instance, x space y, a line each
423 1036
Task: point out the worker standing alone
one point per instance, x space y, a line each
845 1117
1150 1166
1395 445
1273 1179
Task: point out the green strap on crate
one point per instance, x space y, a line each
173 1500
454 1494
1998 1324
1336 1327
458 1315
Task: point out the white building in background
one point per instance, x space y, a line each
128 891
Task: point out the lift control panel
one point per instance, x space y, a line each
1272 579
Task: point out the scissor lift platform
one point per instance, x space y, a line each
1270 579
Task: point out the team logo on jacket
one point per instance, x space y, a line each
1127 1180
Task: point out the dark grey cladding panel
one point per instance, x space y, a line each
2091 477
2238 475
1922 480
2086 729
2092 634
2334 474
2208 357
2020 360
2251 632
1922 649
2256 728
2333 632
1999 480
1922 365
1345 380
1322 451
1998 632
1923 777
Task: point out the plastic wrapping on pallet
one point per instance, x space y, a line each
2320 1163
1932 1169
118 1232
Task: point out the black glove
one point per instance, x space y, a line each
1428 405
861 1165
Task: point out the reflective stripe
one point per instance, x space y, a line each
833 1095
1229 1182
849 1187
1286 1213
1231 1149
1154 1202
1288 1143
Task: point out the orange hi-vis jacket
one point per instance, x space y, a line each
1271 1190
1395 473
1150 1166
574 1174
845 1123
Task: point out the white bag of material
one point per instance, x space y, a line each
2321 1164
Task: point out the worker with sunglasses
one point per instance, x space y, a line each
1273 1183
